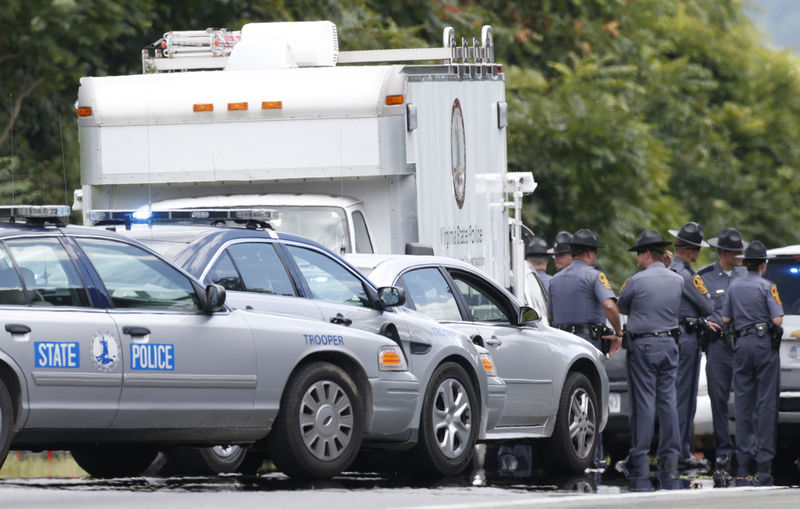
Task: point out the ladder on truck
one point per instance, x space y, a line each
211 48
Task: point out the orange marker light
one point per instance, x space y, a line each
272 105
237 106
203 107
390 359
487 365
393 100
84 111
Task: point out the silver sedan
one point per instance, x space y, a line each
557 388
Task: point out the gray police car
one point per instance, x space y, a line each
557 388
264 270
114 353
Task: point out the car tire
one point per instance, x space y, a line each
572 451
320 424
448 423
215 460
114 461
6 421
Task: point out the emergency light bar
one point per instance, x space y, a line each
143 215
35 214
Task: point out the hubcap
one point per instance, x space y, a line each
452 418
581 423
226 451
326 420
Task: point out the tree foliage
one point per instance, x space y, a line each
632 114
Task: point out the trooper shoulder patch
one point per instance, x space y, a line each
604 281
774 291
699 284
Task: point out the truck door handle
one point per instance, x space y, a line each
17 328
341 319
494 341
135 331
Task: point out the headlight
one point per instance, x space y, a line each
391 358
488 364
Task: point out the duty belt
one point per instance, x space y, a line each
753 329
660 334
578 328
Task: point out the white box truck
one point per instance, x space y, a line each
352 149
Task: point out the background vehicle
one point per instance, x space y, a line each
368 155
557 389
263 270
114 353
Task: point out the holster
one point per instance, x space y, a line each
627 338
706 335
596 332
776 334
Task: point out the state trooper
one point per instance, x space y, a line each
581 299
537 257
754 306
651 298
719 354
560 250
696 305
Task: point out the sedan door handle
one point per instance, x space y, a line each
135 331
494 341
17 328
341 319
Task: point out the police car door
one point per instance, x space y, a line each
182 368
522 354
339 293
256 279
67 350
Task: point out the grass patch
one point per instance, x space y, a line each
26 464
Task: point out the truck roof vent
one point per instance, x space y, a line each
286 44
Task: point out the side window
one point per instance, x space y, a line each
328 279
224 273
48 274
363 244
135 278
431 294
11 291
261 268
484 306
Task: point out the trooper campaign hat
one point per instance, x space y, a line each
729 240
691 233
561 244
756 250
584 237
649 239
536 247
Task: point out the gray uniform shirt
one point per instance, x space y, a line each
545 278
651 299
577 293
752 299
695 300
717 282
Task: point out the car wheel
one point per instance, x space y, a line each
448 424
114 461
320 424
571 447
220 459
6 422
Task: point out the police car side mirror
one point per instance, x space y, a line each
391 296
527 315
215 298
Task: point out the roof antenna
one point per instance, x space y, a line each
11 116
63 159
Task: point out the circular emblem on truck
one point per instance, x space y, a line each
105 351
458 153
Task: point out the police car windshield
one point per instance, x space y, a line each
785 273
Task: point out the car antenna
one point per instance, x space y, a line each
11 165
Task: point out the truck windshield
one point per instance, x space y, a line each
785 273
326 225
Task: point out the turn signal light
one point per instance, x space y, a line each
488 364
390 358
84 111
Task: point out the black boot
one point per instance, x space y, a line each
763 475
722 472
